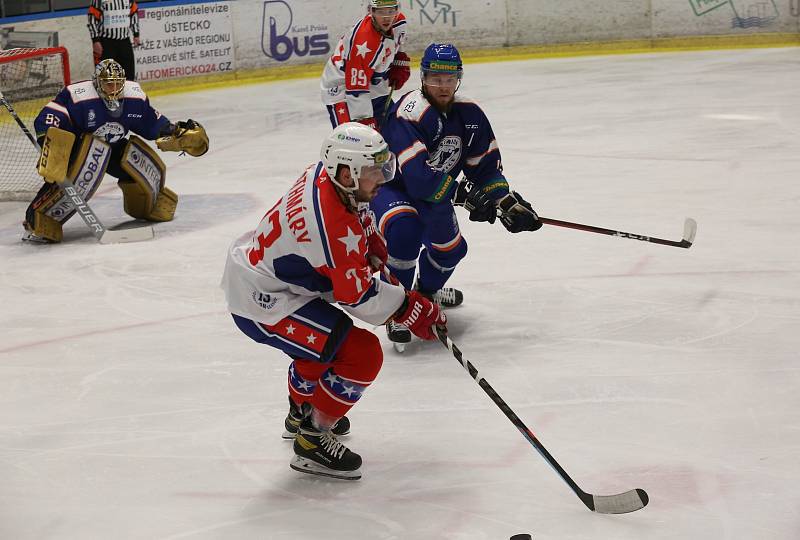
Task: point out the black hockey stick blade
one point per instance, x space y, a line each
621 503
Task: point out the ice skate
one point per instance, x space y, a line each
295 416
399 335
447 297
320 453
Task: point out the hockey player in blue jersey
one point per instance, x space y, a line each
83 133
436 136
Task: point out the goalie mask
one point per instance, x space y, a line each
360 148
109 81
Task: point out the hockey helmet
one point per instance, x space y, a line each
377 4
360 148
442 58
109 81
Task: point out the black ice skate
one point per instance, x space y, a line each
295 416
399 335
446 297
321 453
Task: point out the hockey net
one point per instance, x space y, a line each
29 78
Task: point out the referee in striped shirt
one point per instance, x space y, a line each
111 23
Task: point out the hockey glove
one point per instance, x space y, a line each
377 254
517 215
481 206
189 137
419 315
400 70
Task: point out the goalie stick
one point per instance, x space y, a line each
621 503
103 234
689 228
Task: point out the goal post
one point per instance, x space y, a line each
29 78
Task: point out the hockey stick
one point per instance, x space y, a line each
386 107
689 232
621 503
103 235
689 229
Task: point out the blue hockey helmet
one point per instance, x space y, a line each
442 58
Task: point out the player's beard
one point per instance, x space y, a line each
438 102
368 196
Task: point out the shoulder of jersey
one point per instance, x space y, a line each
82 91
465 100
365 32
413 106
133 91
400 21
334 214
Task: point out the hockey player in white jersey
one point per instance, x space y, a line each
291 283
366 65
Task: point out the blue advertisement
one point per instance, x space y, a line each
282 37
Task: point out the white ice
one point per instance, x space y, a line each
131 407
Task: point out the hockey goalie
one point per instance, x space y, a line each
98 127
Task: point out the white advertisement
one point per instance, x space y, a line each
184 41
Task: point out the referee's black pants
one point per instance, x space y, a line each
120 50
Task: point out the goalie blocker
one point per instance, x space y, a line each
138 167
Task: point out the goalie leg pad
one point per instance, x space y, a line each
46 227
54 159
53 205
166 203
144 195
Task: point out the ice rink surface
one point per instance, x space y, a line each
131 407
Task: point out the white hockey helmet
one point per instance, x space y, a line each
360 148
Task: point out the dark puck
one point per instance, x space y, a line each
521 537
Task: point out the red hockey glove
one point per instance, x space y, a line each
368 122
377 254
419 315
400 70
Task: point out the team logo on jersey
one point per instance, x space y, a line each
446 155
91 118
276 26
110 131
264 300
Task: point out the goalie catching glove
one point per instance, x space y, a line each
189 137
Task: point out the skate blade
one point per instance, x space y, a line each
399 347
288 435
31 238
305 465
